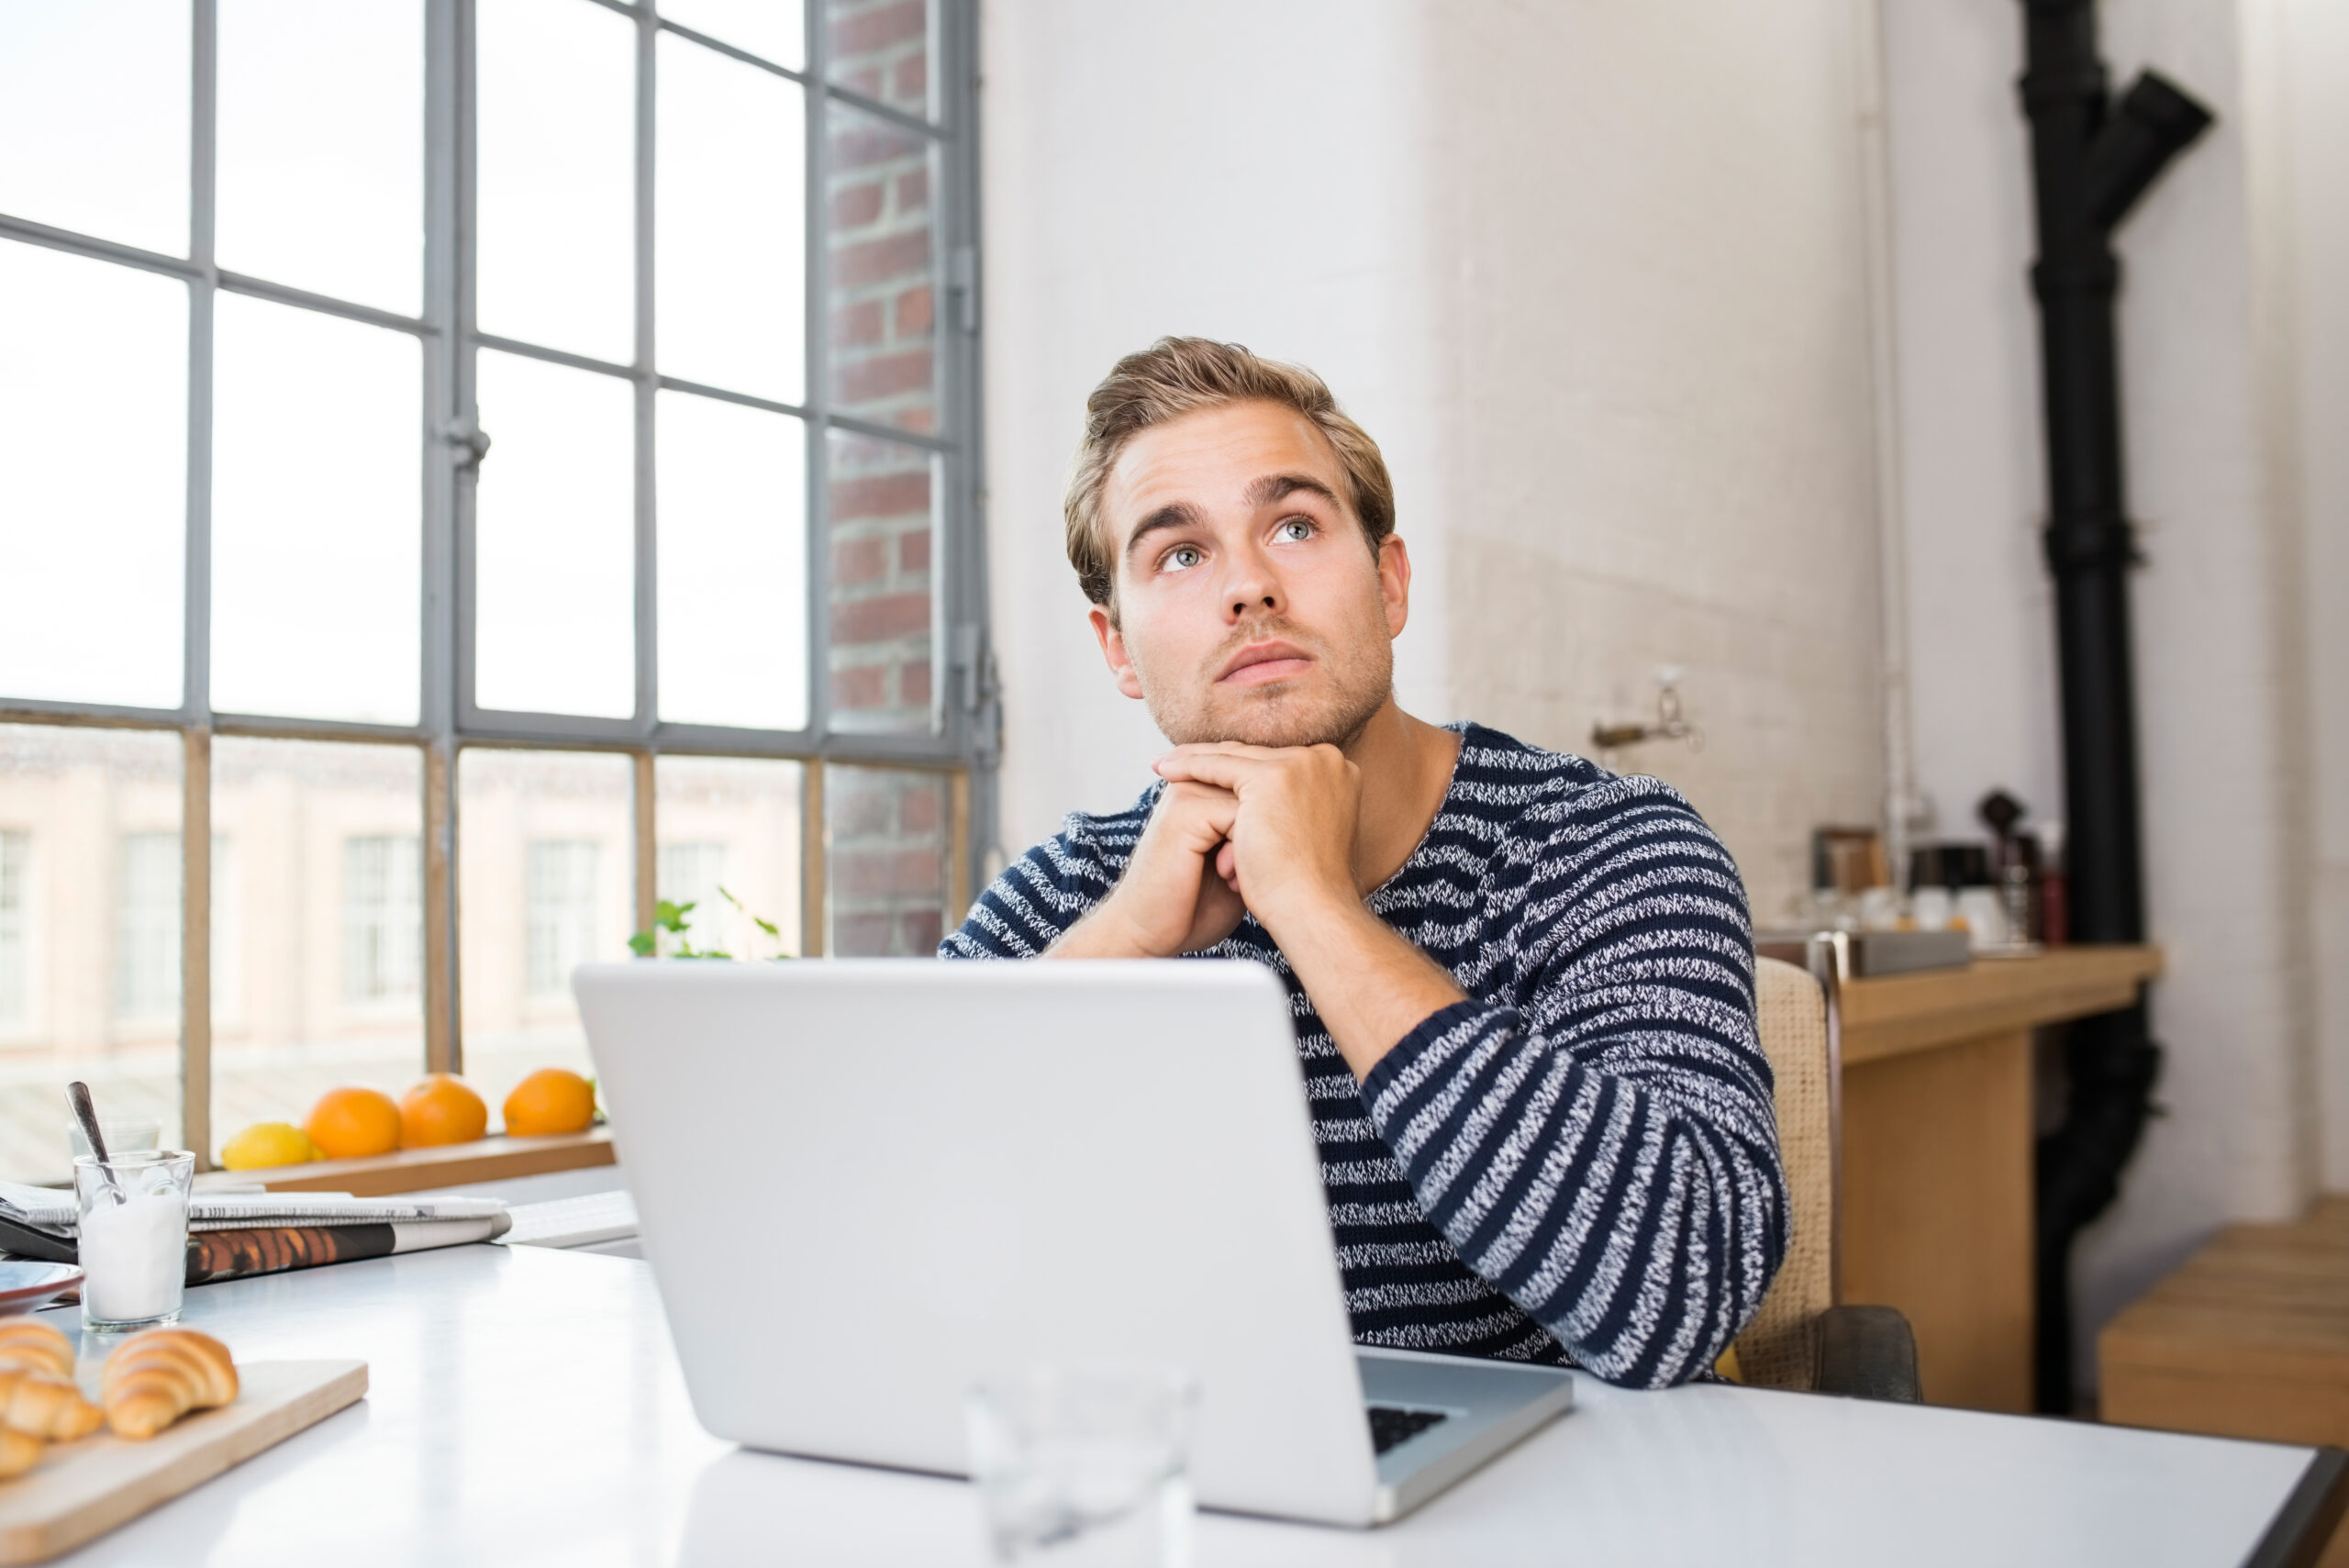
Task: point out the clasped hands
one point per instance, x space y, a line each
1269 832
1237 828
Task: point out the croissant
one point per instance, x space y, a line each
158 1376
42 1406
30 1343
19 1453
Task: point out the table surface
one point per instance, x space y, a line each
526 1408
1893 1015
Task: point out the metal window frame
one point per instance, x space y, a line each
963 742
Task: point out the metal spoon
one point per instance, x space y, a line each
78 1094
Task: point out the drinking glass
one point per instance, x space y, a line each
124 1135
133 1237
1086 1465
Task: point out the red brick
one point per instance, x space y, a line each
916 311
859 560
899 258
921 421
855 205
913 191
913 688
884 375
860 686
860 142
921 930
859 326
884 873
858 802
877 28
913 552
862 936
880 618
913 82
882 495
918 808
865 80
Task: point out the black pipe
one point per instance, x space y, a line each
2089 164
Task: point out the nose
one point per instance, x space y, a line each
1252 586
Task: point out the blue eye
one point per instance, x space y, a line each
1183 557
1297 527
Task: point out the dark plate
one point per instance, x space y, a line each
28 1287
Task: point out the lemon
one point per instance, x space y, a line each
268 1143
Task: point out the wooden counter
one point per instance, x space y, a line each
1937 1207
499 1159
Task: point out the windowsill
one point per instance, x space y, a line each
421 1170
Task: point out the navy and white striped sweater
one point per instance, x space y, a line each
1580 1163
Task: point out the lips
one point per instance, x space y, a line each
1261 664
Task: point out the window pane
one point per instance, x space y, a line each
316 515
94 443
772 29
882 49
730 304
317 938
554 551
556 174
545 882
733 574
884 305
321 146
731 824
94 118
884 527
89 934
886 838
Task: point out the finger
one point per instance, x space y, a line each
1199 765
1227 863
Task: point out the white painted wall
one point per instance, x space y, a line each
2312 38
2209 398
1592 274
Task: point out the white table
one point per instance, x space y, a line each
526 1408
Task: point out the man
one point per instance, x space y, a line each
1523 986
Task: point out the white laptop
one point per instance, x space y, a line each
865 1184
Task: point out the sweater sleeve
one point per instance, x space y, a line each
1040 894
1605 1150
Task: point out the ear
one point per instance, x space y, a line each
1113 651
1395 582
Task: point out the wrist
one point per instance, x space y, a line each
1104 932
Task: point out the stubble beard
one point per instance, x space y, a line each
1351 691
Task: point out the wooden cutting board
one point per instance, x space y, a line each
80 1490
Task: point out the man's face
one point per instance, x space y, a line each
1248 607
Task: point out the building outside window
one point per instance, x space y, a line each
673 294
561 915
693 873
16 937
383 918
147 940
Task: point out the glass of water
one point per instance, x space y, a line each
1085 1466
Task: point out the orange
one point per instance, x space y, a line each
441 1109
353 1123
549 1101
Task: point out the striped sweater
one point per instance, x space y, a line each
1579 1164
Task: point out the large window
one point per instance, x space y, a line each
515 461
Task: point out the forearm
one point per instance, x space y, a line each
1100 934
1370 986
1638 1218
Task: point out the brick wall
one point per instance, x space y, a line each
889 839
887 829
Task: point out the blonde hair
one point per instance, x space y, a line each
1175 376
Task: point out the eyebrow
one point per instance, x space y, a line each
1264 491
